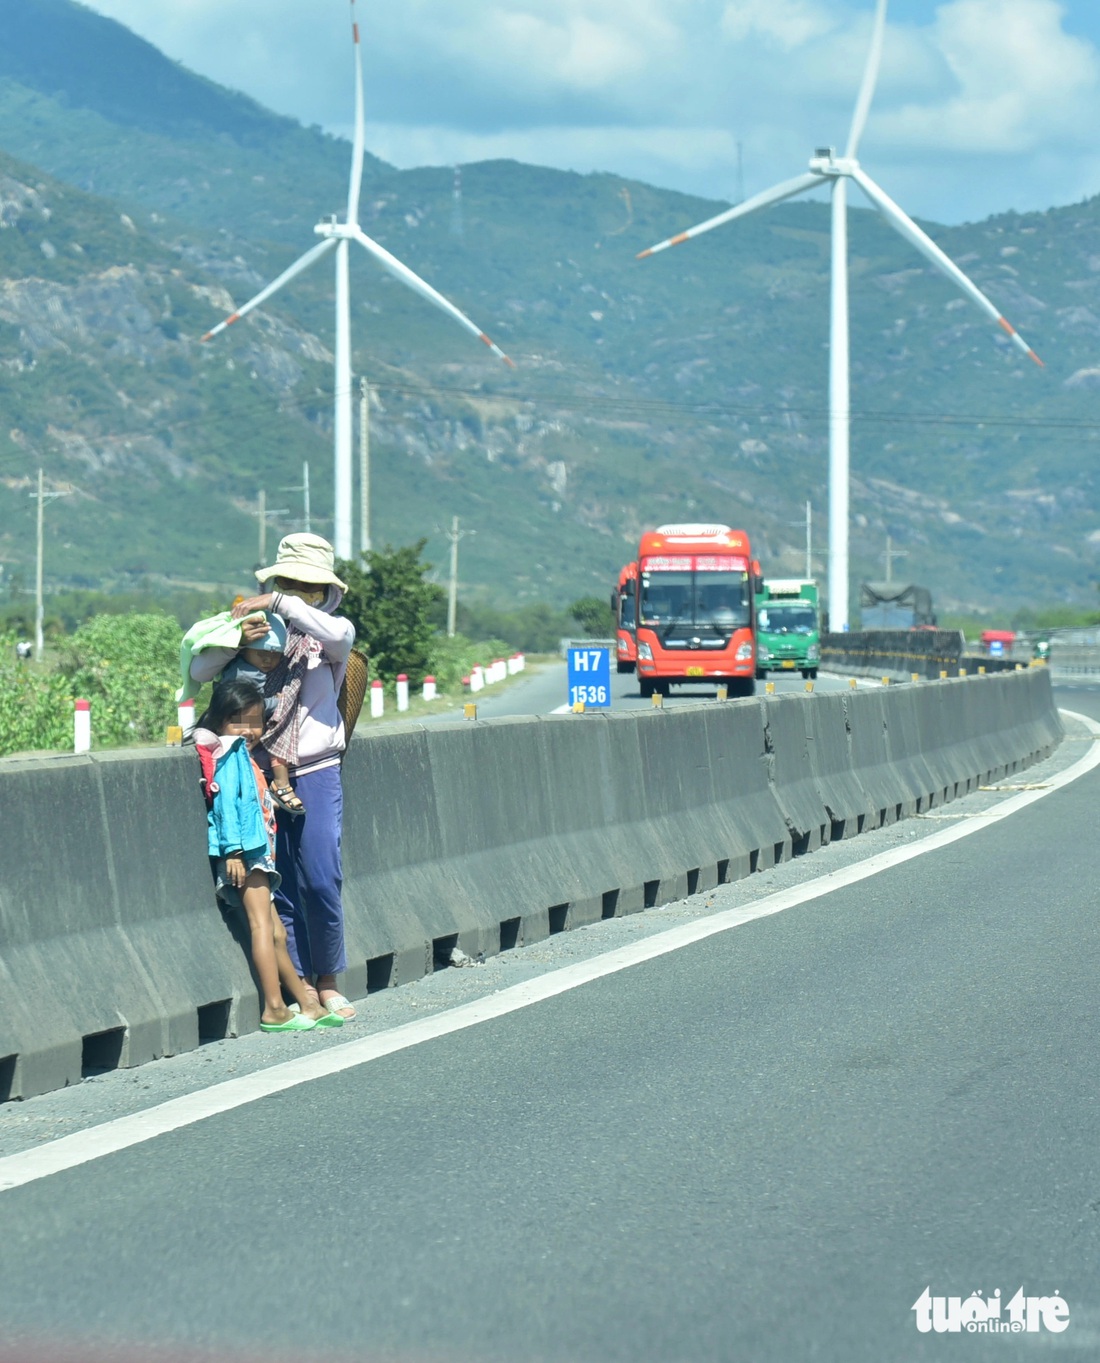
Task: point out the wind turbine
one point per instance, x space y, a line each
337 236
826 168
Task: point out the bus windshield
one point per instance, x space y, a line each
626 607
719 602
795 618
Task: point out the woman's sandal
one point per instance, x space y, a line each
338 1006
287 800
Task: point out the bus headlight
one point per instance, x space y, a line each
645 653
744 653
813 653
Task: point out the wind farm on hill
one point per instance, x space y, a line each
645 392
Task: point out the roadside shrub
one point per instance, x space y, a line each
451 659
36 709
127 666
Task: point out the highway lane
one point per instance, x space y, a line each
763 1146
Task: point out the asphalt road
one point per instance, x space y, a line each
761 1146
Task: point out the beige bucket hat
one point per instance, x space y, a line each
303 558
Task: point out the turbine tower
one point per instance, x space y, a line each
826 168
337 236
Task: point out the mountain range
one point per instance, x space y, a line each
139 203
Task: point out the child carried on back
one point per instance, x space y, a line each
261 641
241 845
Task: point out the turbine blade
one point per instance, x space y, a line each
356 181
903 224
425 290
870 77
302 263
787 190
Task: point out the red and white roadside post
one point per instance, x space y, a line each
402 691
82 726
377 700
430 692
186 712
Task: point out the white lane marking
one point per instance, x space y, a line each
83 1146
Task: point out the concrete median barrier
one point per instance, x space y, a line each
481 836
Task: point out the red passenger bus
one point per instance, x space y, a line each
623 602
696 612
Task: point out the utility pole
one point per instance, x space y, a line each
303 488
39 605
457 229
454 535
263 515
364 466
808 523
890 555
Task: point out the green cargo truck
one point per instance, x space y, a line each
788 637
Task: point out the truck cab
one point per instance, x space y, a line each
788 627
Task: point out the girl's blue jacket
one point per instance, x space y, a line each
235 819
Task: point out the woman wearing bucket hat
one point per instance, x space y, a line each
302 587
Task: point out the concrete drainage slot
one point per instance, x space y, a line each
379 972
441 950
7 1076
723 871
509 934
651 890
558 913
754 861
777 853
610 903
836 830
214 1021
693 881
101 1051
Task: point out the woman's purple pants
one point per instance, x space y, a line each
307 856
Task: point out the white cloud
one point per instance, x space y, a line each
1021 81
786 23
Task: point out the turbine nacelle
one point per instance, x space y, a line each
827 163
335 230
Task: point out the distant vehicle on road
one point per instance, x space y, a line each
788 627
696 612
894 605
624 601
997 643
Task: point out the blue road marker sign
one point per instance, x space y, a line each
590 677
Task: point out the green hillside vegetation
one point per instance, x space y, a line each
692 385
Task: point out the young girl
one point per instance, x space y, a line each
261 662
241 844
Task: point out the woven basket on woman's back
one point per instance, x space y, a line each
352 691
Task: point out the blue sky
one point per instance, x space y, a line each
982 105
